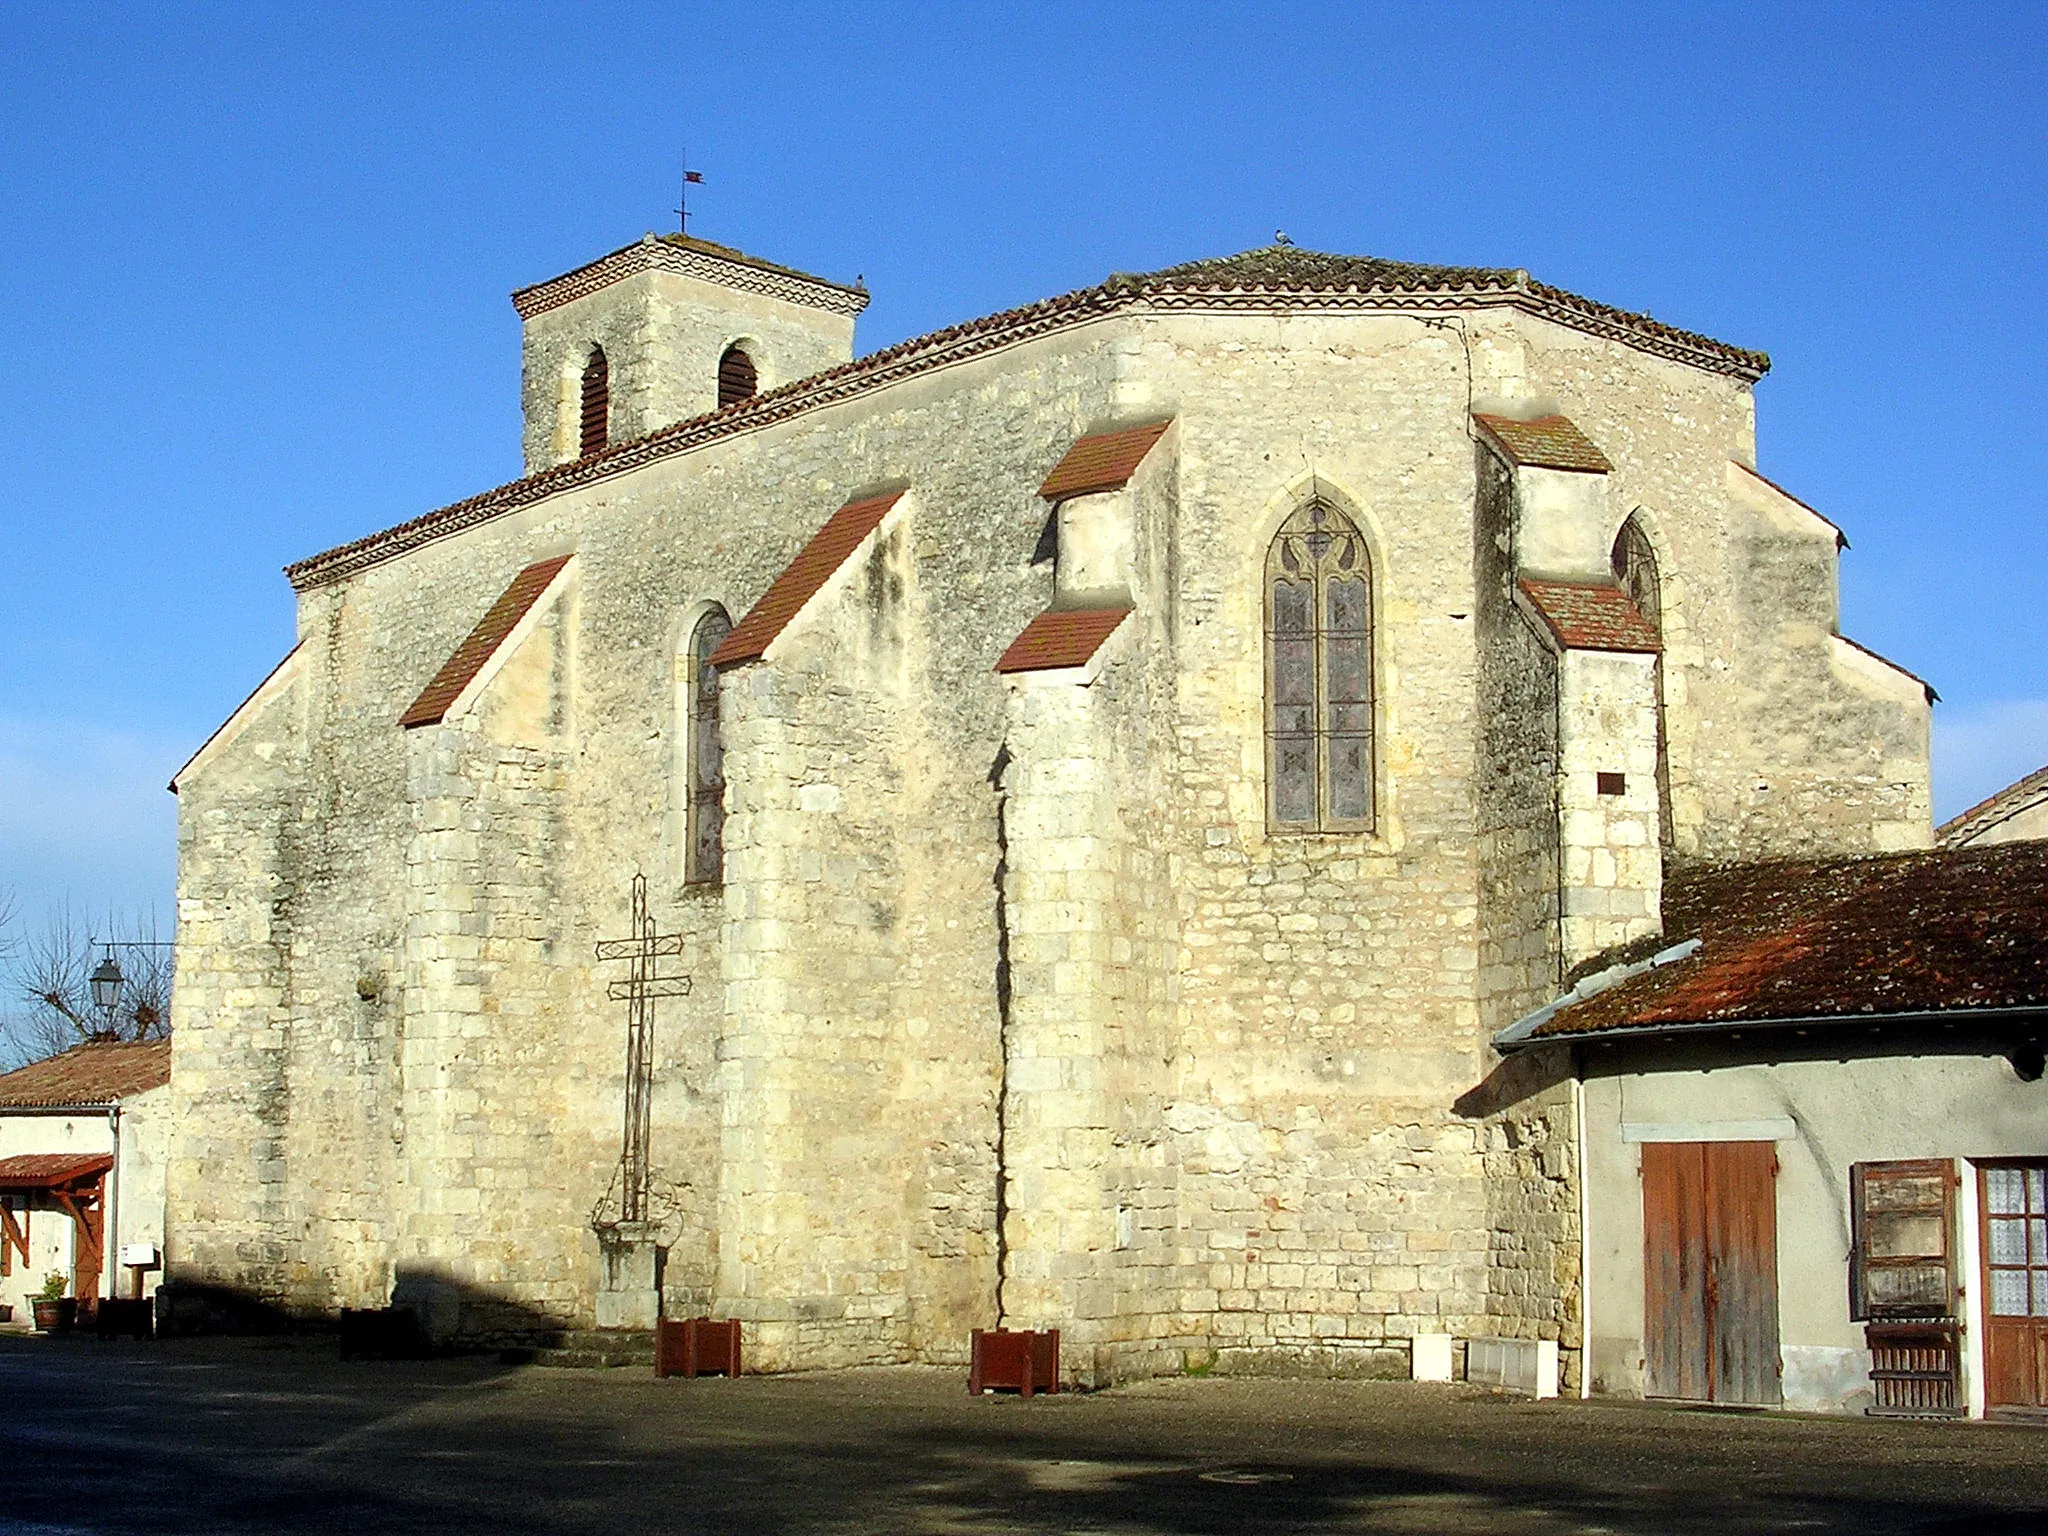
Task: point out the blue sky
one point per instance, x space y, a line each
255 260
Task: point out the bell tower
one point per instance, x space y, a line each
665 329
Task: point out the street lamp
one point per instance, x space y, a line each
106 984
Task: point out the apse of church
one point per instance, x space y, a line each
1106 770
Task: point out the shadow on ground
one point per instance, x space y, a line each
265 1435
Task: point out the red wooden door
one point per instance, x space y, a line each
2015 1206
1710 1271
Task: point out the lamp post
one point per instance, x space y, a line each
106 986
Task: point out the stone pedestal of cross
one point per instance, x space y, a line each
630 1296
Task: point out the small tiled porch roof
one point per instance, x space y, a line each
52 1170
1955 932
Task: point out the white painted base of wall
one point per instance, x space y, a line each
1520 1365
1430 1359
1819 1378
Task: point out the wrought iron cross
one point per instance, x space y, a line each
638 991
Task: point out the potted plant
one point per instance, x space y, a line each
55 1312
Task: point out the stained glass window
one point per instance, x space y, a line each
705 856
1319 688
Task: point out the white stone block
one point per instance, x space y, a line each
1430 1357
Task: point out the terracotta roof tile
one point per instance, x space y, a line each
1592 617
89 1074
1990 811
1548 442
47 1170
1946 929
460 669
801 578
1066 637
1104 462
1252 280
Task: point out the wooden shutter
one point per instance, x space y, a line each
1902 1239
736 377
597 405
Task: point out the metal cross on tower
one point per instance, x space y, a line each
638 992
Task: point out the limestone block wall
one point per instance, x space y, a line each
1247 1066
237 832
1332 1200
1612 881
860 1059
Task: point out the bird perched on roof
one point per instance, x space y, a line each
1280 237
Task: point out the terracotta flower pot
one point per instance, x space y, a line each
55 1314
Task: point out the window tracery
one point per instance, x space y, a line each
1319 675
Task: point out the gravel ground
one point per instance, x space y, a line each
250 1435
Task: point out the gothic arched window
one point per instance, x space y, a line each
704 769
1319 692
1635 567
596 423
736 376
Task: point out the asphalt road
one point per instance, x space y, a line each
279 1435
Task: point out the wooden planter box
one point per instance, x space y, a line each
380 1333
131 1318
54 1315
696 1346
1023 1362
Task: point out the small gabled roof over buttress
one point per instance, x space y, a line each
1547 442
801 579
1590 616
1103 461
460 669
1065 637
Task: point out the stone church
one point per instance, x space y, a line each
1106 771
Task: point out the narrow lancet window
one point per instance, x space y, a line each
736 377
596 423
1634 562
1635 568
1319 688
704 859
